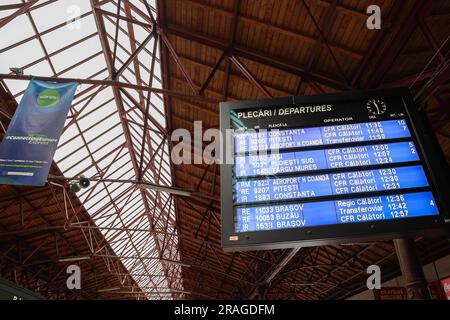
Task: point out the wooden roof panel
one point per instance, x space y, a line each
279 31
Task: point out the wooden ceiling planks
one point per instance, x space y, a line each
282 31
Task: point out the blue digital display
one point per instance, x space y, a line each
300 161
309 214
301 187
277 188
295 138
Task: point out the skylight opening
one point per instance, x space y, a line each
94 141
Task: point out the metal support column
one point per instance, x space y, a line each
416 284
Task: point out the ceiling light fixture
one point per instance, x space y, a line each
70 259
83 182
108 289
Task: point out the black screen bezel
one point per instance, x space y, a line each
431 155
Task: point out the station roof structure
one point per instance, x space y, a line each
146 68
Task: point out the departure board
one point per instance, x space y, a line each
289 162
321 185
328 169
291 215
292 138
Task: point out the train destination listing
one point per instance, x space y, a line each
300 161
328 175
251 141
320 185
308 214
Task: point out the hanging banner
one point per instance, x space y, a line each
29 145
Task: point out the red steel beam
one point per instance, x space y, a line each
227 80
275 270
10 6
103 35
120 108
211 74
127 19
410 80
255 57
116 36
234 23
169 46
250 77
376 43
44 49
42 33
175 57
135 50
147 110
436 84
24 8
47 56
327 22
429 36
399 41
111 83
167 107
